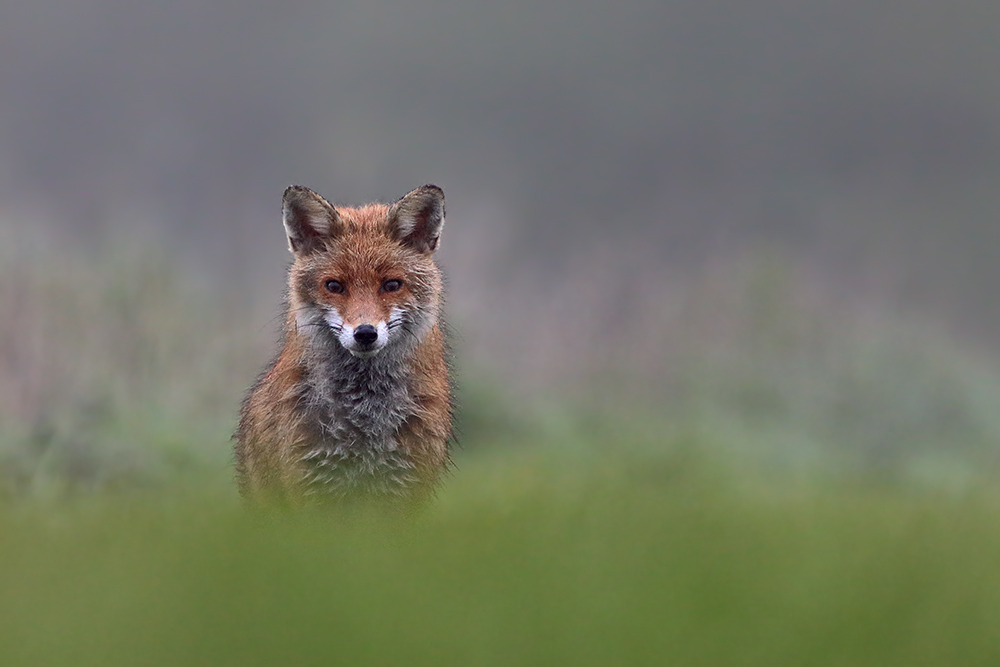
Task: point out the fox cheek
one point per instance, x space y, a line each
333 319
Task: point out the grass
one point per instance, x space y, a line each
522 561
768 480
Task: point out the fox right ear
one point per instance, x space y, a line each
416 219
308 219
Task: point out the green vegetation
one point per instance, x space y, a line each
791 486
526 559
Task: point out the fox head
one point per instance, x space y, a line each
364 277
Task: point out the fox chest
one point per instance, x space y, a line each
351 442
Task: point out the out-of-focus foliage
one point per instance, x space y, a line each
528 560
112 373
123 373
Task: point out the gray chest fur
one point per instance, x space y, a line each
355 409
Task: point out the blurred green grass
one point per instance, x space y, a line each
775 479
525 559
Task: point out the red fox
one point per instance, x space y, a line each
357 403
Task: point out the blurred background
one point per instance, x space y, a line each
775 221
722 282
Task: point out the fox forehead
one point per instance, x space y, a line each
361 259
367 218
365 254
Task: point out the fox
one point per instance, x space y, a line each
357 403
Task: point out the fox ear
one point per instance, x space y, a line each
308 219
417 218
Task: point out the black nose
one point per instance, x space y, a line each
365 334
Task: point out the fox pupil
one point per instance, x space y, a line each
391 285
334 287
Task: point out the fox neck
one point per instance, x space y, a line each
352 410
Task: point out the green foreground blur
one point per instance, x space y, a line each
522 561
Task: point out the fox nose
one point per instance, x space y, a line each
365 334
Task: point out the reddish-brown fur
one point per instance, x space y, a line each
289 420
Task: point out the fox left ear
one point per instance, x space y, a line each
416 219
308 219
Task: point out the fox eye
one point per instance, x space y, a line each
392 285
334 287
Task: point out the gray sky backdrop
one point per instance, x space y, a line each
860 137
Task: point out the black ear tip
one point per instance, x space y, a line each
431 188
296 191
